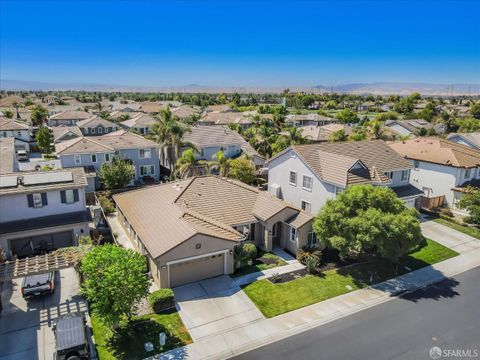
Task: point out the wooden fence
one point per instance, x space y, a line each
430 203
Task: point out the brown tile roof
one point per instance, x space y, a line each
141 120
226 118
473 138
207 205
95 121
74 115
62 130
151 107
7 154
106 143
309 117
438 151
185 111
322 133
218 108
10 124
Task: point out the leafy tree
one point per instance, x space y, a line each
468 125
220 163
415 96
38 115
104 115
475 110
115 280
368 220
470 201
339 135
124 117
391 115
347 116
44 139
8 113
242 169
116 174
359 134
185 166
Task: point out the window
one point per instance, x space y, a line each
293 178
86 130
416 164
19 133
37 200
338 190
293 234
274 230
306 206
107 157
100 130
223 148
307 182
94 158
93 131
77 159
405 175
202 152
312 239
4 134
145 153
389 174
468 172
146 170
69 198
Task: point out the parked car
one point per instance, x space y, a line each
22 155
36 285
71 339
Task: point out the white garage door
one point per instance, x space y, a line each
195 270
410 203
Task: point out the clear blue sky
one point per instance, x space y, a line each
240 43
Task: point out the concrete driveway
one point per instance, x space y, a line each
213 306
26 326
449 237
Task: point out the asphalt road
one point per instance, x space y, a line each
445 315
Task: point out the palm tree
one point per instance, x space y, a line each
375 128
185 165
220 163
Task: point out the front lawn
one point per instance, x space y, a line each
474 232
128 341
275 299
265 261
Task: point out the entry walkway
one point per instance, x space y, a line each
118 231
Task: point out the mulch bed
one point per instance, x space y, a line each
283 278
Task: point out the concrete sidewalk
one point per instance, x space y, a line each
262 332
118 232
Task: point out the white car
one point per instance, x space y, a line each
22 155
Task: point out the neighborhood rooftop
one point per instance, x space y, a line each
7 124
7 155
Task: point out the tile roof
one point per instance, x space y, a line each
95 121
74 115
141 120
438 151
119 140
62 130
322 133
226 118
7 155
202 205
218 108
309 117
185 111
10 124
152 107
472 138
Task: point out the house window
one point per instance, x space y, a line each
338 190
307 182
389 174
416 164
146 170
293 234
100 130
145 153
93 130
69 198
37 200
312 239
19 133
107 157
293 178
4 134
405 175
94 158
86 130
274 230
77 159
468 172
306 206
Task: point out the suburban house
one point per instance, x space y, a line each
68 118
141 123
315 133
442 169
151 107
313 119
308 175
96 126
469 139
92 152
18 130
413 127
64 133
222 108
188 229
42 211
226 118
8 156
186 112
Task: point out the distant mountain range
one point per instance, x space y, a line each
375 88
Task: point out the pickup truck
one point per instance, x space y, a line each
36 285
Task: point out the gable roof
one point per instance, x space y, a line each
322 133
62 130
438 151
74 115
95 121
201 205
226 118
472 138
141 120
151 107
185 111
10 124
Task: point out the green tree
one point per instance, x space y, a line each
219 163
242 169
368 220
104 115
117 173
475 110
44 139
391 115
186 164
339 135
115 280
468 125
347 116
38 115
8 113
470 201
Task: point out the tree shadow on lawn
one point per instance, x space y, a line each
128 341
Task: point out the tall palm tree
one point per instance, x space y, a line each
219 163
185 165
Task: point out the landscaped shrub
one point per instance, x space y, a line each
244 253
250 251
446 212
107 205
309 256
161 300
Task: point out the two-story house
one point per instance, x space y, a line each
308 175
141 123
96 126
92 152
312 119
442 169
64 133
18 130
42 211
67 118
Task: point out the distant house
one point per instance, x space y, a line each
92 152
226 118
313 119
150 107
42 211
308 175
68 118
120 116
322 133
188 229
8 157
385 107
413 127
96 126
186 111
141 123
17 130
469 139
64 133
442 168
218 108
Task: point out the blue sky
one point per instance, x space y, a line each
240 43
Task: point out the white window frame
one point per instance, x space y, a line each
100 130
311 236
69 196
467 174
407 175
92 156
303 182
37 200
86 130
293 235
145 151
93 130
149 167
290 178
77 159
107 157
416 164
309 206
389 174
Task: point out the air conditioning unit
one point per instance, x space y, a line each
275 190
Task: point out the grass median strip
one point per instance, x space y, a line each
462 228
275 299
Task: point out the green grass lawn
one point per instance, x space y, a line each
127 342
462 228
259 266
276 299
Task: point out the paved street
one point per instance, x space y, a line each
445 315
